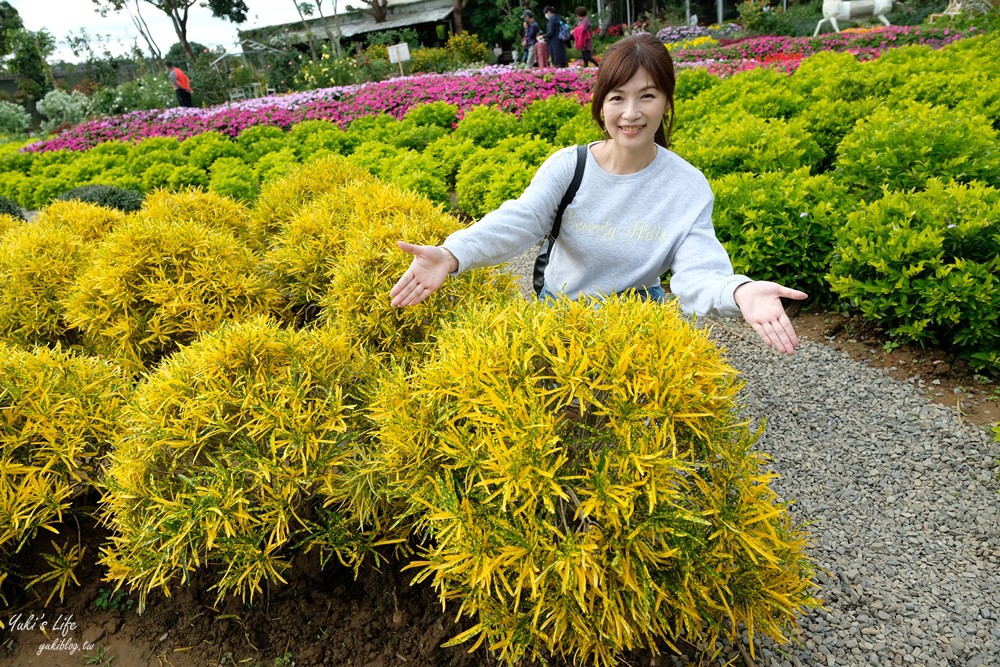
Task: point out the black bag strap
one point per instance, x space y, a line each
574 185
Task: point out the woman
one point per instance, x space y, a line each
640 211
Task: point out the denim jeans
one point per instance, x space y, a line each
654 293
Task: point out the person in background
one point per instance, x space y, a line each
531 30
557 47
640 211
583 37
182 84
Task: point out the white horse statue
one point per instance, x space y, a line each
845 10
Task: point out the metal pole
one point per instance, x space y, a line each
718 4
687 12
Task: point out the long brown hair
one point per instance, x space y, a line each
622 61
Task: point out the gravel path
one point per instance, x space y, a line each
902 501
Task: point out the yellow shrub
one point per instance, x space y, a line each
8 222
583 486
205 208
38 263
90 221
280 199
222 451
154 285
58 411
357 299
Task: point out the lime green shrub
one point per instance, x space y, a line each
582 485
357 300
275 165
835 75
727 145
206 147
38 263
448 153
693 81
155 284
260 139
405 168
780 226
221 455
157 176
59 414
926 267
187 176
900 148
763 93
487 126
489 177
580 129
108 196
232 177
830 119
310 137
437 114
544 118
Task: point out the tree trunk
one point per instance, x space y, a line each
309 34
334 40
180 19
456 16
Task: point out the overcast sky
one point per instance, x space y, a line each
62 17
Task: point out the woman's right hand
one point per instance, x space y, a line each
428 271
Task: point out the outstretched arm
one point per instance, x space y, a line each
760 304
428 271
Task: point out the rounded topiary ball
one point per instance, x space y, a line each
582 484
223 455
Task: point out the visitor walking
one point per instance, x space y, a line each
182 84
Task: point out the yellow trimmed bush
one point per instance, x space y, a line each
8 222
154 285
38 263
222 453
91 221
361 275
205 208
58 416
582 485
281 198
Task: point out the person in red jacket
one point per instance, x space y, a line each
182 84
583 37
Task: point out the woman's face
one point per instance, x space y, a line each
633 112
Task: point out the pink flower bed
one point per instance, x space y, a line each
510 89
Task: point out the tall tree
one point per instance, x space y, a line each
10 21
177 10
305 9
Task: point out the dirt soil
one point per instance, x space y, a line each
324 617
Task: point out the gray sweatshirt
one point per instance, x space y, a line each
621 231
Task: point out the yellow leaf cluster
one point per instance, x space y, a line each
222 452
57 414
586 483
208 209
154 284
90 221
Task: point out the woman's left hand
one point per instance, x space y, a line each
760 303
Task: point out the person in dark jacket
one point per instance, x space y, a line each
557 47
531 32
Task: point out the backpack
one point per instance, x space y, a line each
564 34
542 261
